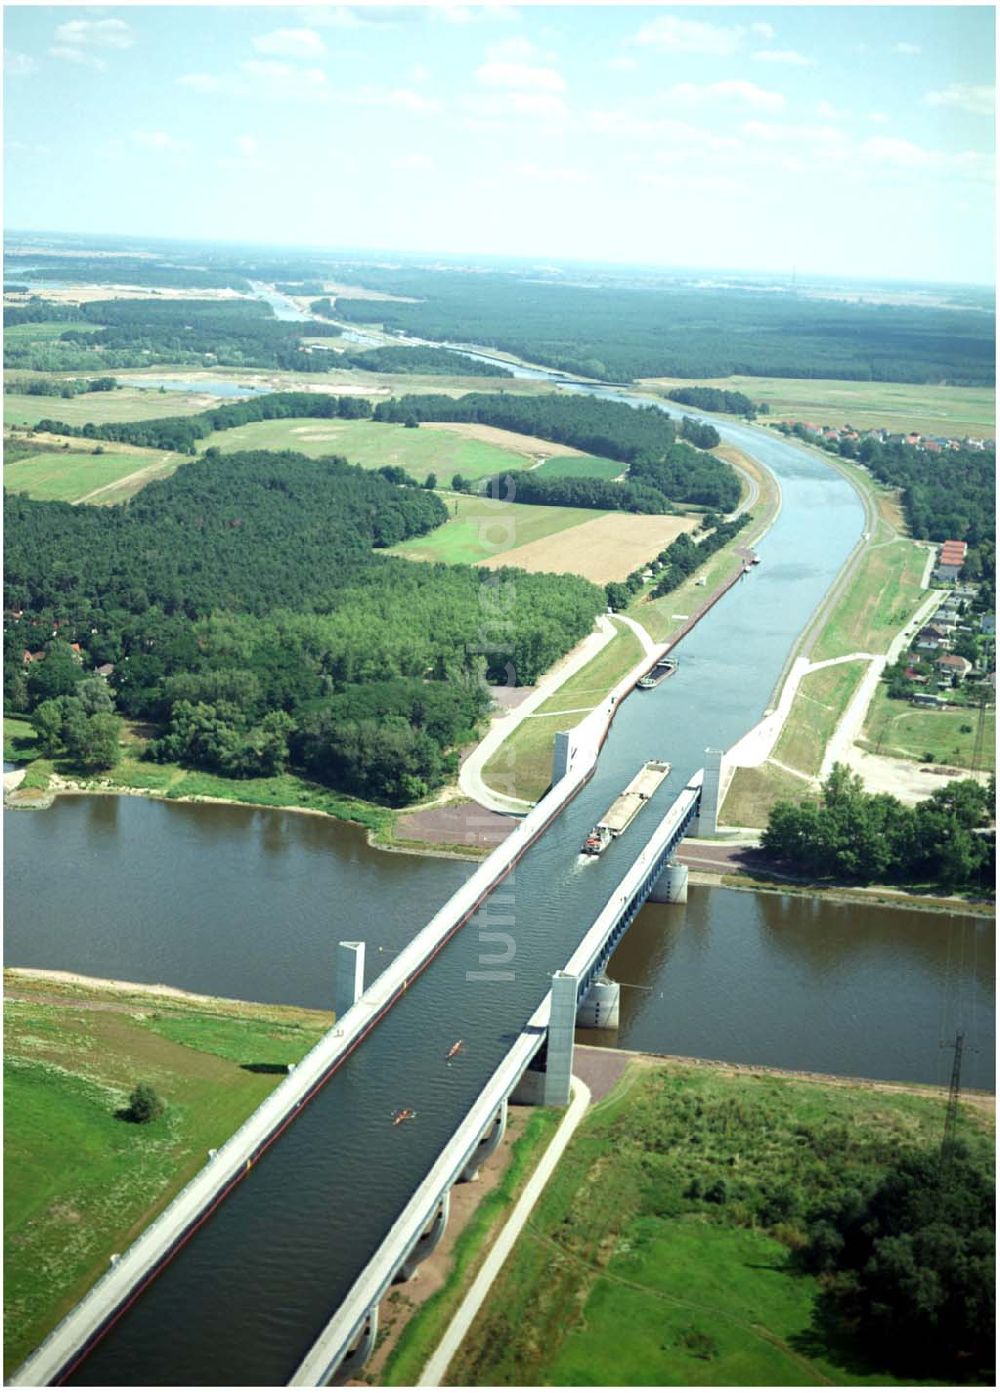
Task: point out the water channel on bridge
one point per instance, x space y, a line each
242 1303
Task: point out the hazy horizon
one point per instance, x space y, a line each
851 143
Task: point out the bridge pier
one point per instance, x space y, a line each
672 885
350 976
562 1026
487 1145
358 1356
599 1008
560 756
427 1241
707 822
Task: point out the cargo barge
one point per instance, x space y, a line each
664 667
626 806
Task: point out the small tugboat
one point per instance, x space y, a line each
402 1115
456 1047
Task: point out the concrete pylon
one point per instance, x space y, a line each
671 887
356 1358
560 756
427 1241
707 821
486 1145
562 1025
599 1008
350 982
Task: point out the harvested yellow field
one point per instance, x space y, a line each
531 446
606 548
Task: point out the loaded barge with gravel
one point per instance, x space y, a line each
626 806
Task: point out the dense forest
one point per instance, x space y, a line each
437 362
907 1264
140 333
606 428
861 837
246 611
618 333
715 399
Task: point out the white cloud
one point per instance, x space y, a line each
415 163
356 16
160 141
418 73
907 50
880 118
18 64
550 174
291 43
735 91
494 107
77 55
247 146
784 55
470 14
671 35
398 98
95 33
622 65
763 31
829 112
208 82
520 77
890 152
263 77
511 50
978 101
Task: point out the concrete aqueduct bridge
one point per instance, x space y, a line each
575 760
537 1069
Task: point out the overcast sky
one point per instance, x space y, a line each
853 141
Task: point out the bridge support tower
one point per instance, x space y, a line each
350 979
707 822
599 1008
672 885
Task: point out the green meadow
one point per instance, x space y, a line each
79 1181
373 444
898 406
123 404
481 528
69 475
655 1257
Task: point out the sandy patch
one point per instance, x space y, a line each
83 294
531 446
903 778
606 548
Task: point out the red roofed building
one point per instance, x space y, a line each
951 560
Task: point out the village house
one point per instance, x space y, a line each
951 665
950 560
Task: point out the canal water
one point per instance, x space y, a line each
250 903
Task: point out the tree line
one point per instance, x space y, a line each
139 333
716 399
431 362
873 837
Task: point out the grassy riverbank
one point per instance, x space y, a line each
661 1251
81 1183
864 614
522 766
